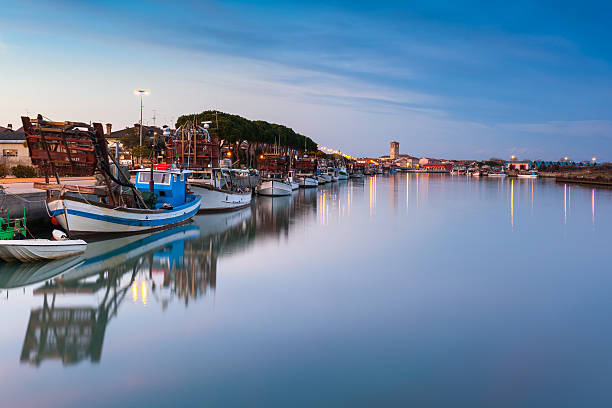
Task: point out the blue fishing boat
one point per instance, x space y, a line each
173 205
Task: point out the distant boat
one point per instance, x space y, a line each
295 185
500 174
533 174
307 180
219 189
274 185
324 178
333 173
342 173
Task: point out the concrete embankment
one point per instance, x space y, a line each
19 194
593 176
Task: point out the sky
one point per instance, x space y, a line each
460 80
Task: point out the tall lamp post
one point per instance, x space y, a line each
141 92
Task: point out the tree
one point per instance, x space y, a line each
130 137
234 128
141 151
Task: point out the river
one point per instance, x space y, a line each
422 290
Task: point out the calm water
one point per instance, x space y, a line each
391 291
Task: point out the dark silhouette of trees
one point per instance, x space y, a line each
234 128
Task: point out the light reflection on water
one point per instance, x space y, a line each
334 290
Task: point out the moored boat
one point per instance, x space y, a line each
119 206
173 206
34 250
531 175
295 185
307 180
342 173
14 247
219 190
500 174
274 185
333 173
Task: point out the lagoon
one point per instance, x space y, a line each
394 290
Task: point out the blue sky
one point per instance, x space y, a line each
445 79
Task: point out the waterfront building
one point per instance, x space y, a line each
518 165
438 167
13 147
394 152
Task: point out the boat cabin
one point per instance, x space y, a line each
223 178
170 186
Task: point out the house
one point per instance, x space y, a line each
13 147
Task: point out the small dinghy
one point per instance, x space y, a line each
34 250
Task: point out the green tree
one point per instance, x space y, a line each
234 128
130 137
141 151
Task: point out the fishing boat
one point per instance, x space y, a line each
500 174
533 174
170 205
323 177
219 189
274 185
307 180
158 200
333 173
295 185
342 173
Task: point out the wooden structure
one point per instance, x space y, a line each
305 165
61 148
274 163
193 147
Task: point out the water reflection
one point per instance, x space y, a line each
150 269
593 207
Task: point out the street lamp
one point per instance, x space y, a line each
141 92
512 157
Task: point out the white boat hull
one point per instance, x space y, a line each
78 217
274 188
527 176
34 250
342 175
308 182
216 200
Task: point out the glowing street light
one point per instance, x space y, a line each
594 159
565 158
141 92
512 157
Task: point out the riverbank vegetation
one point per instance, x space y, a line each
234 128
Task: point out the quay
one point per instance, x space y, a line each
19 194
586 181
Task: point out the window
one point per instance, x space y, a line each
158 178
9 153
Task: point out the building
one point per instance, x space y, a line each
518 165
438 167
13 147
394 153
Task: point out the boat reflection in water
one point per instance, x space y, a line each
155 268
